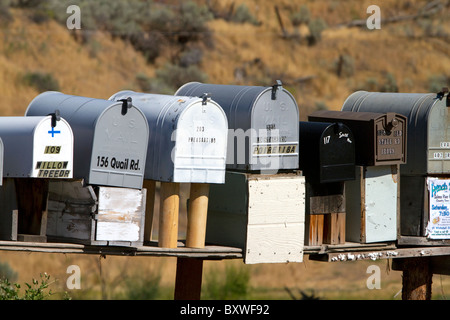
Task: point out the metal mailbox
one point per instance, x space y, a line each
188 137
428 126
37 147
36 150
380 138
111 138
329 152
428 158
263 123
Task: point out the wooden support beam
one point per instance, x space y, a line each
417 278
150 185
168 219
197 215
188 282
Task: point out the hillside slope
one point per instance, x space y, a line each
408 56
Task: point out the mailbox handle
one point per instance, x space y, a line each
391 121
55 117
275 89
126 104
205 98
441 95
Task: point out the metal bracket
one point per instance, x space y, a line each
275 87
126 104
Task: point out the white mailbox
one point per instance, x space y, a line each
188 137
111 138
37 147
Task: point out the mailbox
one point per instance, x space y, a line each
188 137
428 129
37 147
36 151
1 161
380 138
263 123
428 157
328 159
111 138
328 151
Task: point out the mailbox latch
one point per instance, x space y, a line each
275 88
126 104
55 117
205 98
441 95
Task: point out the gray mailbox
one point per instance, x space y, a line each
37 147
428 165
188 137
263 123
111 138
36 150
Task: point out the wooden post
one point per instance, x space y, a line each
417 278
150 185
168 218
315 229
197 215
188 282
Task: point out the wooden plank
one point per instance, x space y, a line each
188 280
316 229
416 279
150 185
327 204
197 215
8 210
334 228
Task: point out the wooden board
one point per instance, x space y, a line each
262 214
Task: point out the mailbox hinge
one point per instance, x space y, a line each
55 117
126 104
275 88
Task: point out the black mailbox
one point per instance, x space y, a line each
328 152
380 138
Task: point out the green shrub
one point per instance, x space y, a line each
6 272
231 285
243 15
316 27
301 17
35 291
41 81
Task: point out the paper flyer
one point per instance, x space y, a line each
439 221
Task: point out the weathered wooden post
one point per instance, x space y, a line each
188 138
417 277
188 280
197 215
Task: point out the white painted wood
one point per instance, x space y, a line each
372 205
120 214
262 214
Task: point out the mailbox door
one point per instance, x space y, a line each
119 148
275 123
337 154
201 144
391 143
52 150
